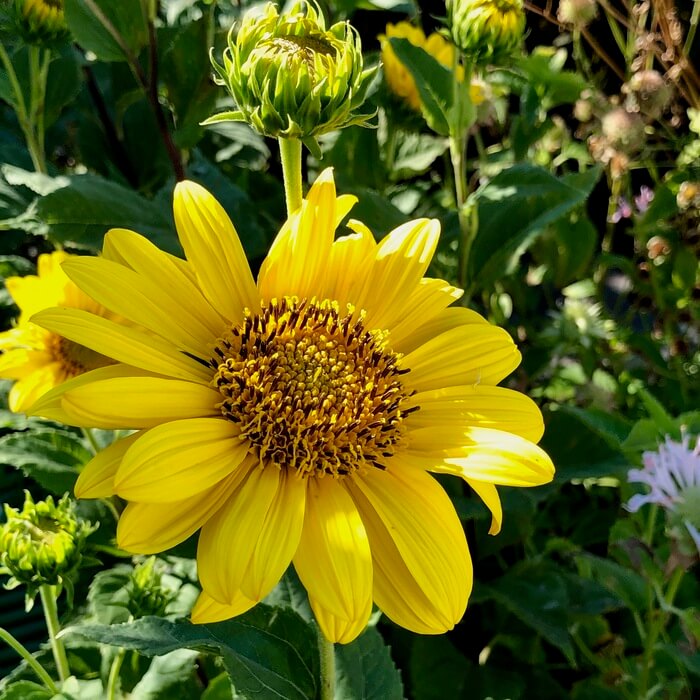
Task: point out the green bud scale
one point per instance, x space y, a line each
486 31
291 77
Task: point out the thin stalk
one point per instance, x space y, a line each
113 682
40 107
38 72
30 660
89 436
290 155
656 627
693 27
48 601
327 654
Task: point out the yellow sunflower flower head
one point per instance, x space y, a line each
41 21
38 359
399 78
290 76
297 419
486 31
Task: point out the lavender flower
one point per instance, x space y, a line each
623 211
673 474
644 199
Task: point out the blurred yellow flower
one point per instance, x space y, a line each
38 359
399 78
297 419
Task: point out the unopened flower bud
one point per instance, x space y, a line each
486 31
688 195
579 13
657 246
290 76
147 596
43 543
41 21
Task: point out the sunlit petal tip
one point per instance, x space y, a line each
208 610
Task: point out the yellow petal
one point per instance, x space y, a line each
143 257
141 300
447 320
138 402
96 480
25 392
401 260
333 560
249 544
476 406
427 300
147 528
489 495
338 630
474 354
212 246
207 610
123 343
347 265
295 264
179 459
422 567
482 454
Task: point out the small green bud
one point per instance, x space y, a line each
41 21
290 76
42 544
146 594
486 31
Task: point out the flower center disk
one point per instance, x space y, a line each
311 389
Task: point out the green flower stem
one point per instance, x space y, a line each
24 116
90 437
113 682
290 154
327 654
658 618
30 660
48 601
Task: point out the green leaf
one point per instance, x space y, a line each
623 582
415 153
437 669
50 456
85 207
434 83
365 670
270 653
169 677
219 688
25 690
63 85
113 31
660 416
514 209
576 240
537 594
613 428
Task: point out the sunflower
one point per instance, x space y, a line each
297 420
38 359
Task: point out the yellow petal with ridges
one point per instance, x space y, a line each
28 390
476 407
138 402
96 480
427 300
475 354
447 320
212 246
123 343
146 259
483 454
333 559
141 300
295 264
148 528
422 570
249 544
401 260
207 610
179 459
338 630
